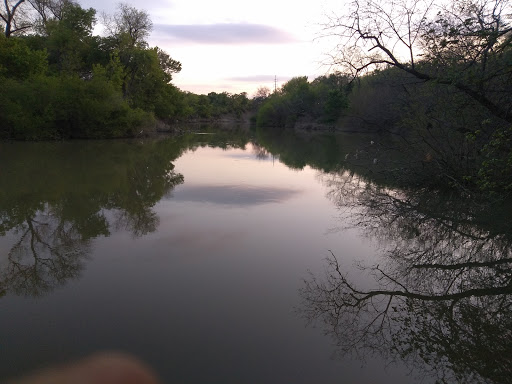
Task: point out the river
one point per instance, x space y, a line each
233 257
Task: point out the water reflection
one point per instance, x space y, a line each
57 197
234 195
48 251
441 293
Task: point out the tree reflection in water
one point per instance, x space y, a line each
57 197
48 252
57 202
443 288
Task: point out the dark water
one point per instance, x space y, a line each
208 255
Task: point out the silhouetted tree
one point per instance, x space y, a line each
14 18
463 44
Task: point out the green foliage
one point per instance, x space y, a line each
146 72
67 107
239 103
129 25
299 95
113 71
330 94
228 104
441 138
322 100
214 105
69 39
63 82
168 103
455 81
27 110
167 63
283 108
66 83
143 76
274 112
18 61
198 106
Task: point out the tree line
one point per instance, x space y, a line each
62 81
436 76
441 79
300 101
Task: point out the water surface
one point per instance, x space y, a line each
204 255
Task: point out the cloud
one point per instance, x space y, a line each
111 7
225 33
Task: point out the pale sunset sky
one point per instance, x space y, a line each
236 46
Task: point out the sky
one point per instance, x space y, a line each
236 46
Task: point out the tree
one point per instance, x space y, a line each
299 93
69 39
330 96
239 103
322 100
167 63
129 24
143 79
285 107
49 10
18 61
262 93
463 44
147 72
14 17
93 86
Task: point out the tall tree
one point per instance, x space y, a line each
13 17
459 44
69 38
167 63
49 10
129 24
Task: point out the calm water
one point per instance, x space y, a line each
209 255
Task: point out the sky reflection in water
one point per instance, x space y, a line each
234 195
189 256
